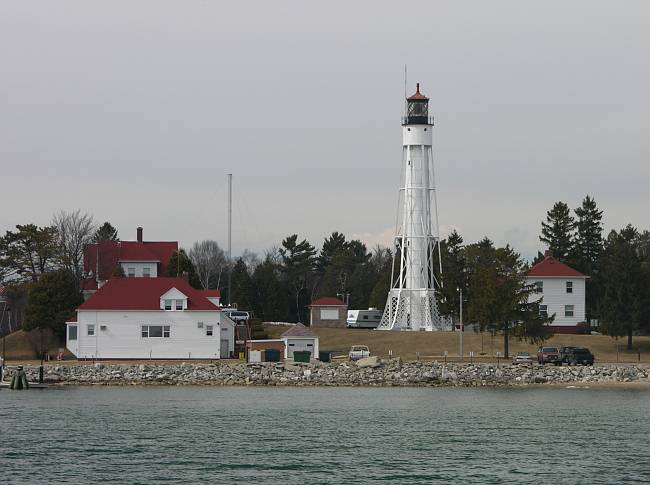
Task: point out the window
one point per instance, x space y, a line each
168 304
131 272
209 330
146 272
543 311
179 304
365 317
72 332
569 286
155 331
568 310
539 286
90 330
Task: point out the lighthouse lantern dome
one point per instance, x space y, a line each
417 109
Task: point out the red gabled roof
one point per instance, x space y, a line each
550 266
327 301
211 293
111 252
143 294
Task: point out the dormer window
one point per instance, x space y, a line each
173 300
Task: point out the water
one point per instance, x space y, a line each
324 435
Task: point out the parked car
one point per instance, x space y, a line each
576 355
237 315
549 355
359 352
522 358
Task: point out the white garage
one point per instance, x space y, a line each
300 338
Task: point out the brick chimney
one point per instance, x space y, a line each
548 253
139 234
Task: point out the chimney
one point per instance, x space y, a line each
548 253
139 234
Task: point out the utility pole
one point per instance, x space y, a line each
462 328
229 239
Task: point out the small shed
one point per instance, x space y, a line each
328 312
269 344
300 338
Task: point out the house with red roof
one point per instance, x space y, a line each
327 311
138 259
563 293
150 318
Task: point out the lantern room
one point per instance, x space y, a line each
417 109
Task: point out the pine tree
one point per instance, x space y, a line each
624 281
52 300
179 264
589 236
454 276
557 231
106 232
241 285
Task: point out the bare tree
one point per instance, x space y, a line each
74 231
209 262
251 260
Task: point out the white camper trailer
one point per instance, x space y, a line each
369 318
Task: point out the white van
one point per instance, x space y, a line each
237 315
369 318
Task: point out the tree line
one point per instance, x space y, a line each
42 267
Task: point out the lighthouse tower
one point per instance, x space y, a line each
411 303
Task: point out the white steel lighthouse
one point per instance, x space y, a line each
412 299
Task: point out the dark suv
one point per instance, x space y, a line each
548 355
576 355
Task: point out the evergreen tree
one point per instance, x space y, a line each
624 280
270 301
499 296
241 285
589 236
52 300
557 231
454 276
28 252
298 260
179 264
331 246
106 232
380 290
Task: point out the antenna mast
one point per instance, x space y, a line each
229 238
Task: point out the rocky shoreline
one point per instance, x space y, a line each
372 373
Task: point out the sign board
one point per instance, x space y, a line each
471 354
446 353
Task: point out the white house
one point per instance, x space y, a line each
563 291
301 338
157 318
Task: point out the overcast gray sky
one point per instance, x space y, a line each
136 111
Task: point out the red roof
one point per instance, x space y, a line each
143 294
111 252
211 293
550 266
418 95
327 301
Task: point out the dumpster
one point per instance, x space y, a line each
255 356
272 355
325 356
302 356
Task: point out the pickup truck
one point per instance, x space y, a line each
359 352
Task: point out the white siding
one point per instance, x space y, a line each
555 298
122 337
138 266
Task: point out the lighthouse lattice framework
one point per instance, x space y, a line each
412 300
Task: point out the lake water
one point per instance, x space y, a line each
324 435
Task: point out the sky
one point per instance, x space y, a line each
135 111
